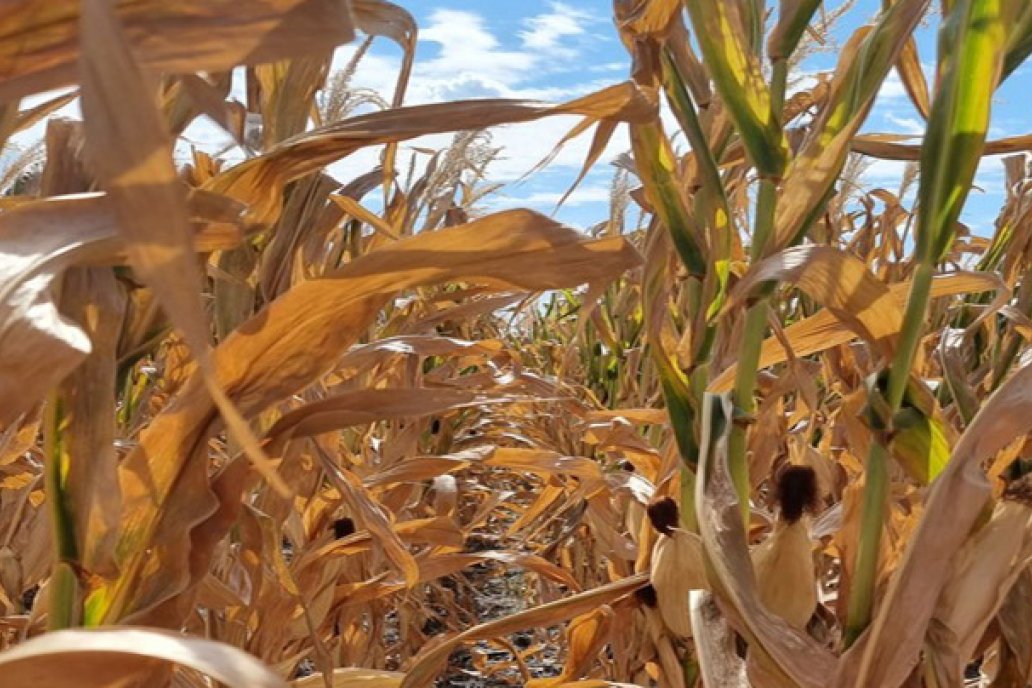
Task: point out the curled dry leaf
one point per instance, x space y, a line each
358 407
128 147
586 635
297 338
823 330
427 665
715 642
984 571
259 182
835 279
117 656
38 240
39 39
351 678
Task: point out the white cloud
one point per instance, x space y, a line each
545 31
906 125
892 87
546 200
885 173
467 60
469 53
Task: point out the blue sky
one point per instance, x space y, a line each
555 50
551 50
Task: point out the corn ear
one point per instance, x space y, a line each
677 569
786 583
785 577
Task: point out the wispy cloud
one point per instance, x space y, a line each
546 31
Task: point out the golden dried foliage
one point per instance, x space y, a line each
260 428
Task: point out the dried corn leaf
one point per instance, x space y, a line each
350 677
259 182
428 664
39 39
109 657
887 652
823 330
297 338
835 279
129 148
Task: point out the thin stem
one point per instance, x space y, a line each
872 513
755 319
749 353
876 489
63 586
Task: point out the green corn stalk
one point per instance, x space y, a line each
755 110
971 50
64 593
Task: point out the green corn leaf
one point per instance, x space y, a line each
971 48
793 18
657 169
1019 44
736 73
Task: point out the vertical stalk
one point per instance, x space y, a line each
755 319
876 489
64 584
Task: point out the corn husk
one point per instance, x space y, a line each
677 569
785 577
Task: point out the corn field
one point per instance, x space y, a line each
261 426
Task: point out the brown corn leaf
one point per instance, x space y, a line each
92 297
114 656
428 664
447 564
887 652
297 338
908 64
38 240
350 677
585 636
23 119
375 518
439 531
363 406
839 281
381 18
130 151
259 181
39 39
823 330
40 346
889 146
984 571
